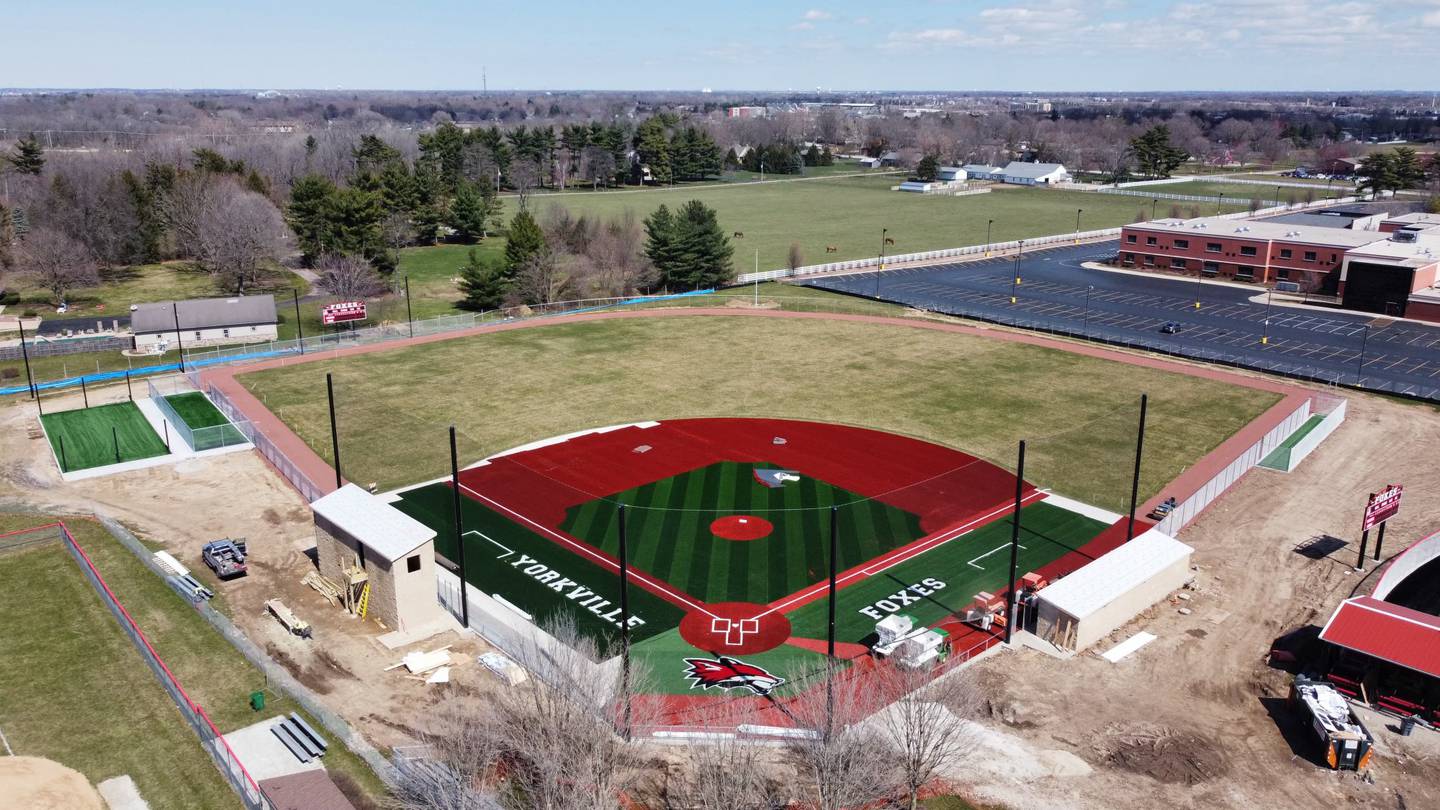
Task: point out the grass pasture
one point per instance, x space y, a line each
88 437
76 690
847 213
981 396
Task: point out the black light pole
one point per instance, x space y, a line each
1220 206
459 527
409 316
834 533
1379 541
624 621
115 438
129 392
1265 336
987 237
334 431
881 269
1199 275
1015 282
1078 212
84 395
299 328
179 341
1014 545
1277 197
1360 367
1089 289
1154 201
1135 481
24 352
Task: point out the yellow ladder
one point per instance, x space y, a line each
364 600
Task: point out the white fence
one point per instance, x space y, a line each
1312 440
971 251
1190 508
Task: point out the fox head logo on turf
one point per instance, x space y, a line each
730 673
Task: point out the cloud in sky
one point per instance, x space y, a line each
815 14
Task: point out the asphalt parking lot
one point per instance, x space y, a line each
1232 324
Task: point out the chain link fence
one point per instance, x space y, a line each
291 471
205 437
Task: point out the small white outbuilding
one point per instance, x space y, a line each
1085 606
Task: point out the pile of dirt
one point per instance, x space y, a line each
1163 754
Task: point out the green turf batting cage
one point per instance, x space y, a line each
193 418
101 436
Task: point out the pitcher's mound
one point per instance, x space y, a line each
42 784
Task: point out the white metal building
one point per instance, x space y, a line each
1034 174
1087 605
204 322
360 538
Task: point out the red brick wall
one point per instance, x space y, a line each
1193 249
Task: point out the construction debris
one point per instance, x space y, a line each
503 668
323 586
441 675
287 618
421 662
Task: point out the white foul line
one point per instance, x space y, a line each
1001 547
593 554
508 550
927 545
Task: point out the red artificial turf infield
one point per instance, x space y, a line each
734 628
741 527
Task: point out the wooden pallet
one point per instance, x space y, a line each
324 587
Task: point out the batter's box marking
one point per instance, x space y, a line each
733 630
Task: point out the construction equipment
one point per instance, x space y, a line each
225 557
287 618
1347 742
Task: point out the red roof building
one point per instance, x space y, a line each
1386 631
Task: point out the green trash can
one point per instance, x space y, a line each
257 701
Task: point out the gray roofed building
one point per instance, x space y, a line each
1034 173
204 313
204 321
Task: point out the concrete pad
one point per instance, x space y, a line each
263 755
121 794
1129 645
443 623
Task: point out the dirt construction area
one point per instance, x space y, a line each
1194 719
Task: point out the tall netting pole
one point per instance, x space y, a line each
1135 481
459 527
624 622
1010 600
334 430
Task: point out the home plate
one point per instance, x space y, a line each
1127 646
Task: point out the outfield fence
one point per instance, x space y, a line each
291 471
197 439
211 739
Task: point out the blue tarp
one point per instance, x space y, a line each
108 376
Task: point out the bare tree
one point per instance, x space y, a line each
927 726
727 774
597 165
546 277
240 234
523 175
349 277
795 257
55 261
845 762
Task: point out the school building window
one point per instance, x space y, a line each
1182 244
1309 255
1212 247
1247 250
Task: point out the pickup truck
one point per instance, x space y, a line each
225 557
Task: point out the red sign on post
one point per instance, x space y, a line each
344 311
1382 506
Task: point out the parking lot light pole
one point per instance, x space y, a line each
987 237
1078 212
1089 289
1154 201
1220 206
1360 366
1265 336
1278 201
1199 279
1019 249
881 268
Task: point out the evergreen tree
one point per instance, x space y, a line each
660 240
484 283
1408 170
473 210
353 224
372 155
524 240
28 157
445 148
827 158
1378 173
812 155
928 168
652 150
1154 155
308 217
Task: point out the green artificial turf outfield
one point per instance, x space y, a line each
494 544
661 665
88 441
668 531
1046 534
209 427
